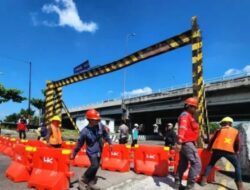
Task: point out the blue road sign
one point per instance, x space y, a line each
82 67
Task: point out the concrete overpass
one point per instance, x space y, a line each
225 97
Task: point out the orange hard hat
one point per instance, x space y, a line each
92 114
192 101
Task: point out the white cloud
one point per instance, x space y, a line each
230 72
247 69
68 16
140 91
34 19
233 71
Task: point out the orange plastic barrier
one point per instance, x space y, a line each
4 142
205 157
8 150
172 164
68 145
1 142
118 159
20 168
51 169
81 159
151 160
36 143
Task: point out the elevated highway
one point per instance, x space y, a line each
226 97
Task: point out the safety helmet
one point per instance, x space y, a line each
227 120
192 101
136 125
56 118
92 114
170 125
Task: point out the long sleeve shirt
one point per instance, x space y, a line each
188 130
92 136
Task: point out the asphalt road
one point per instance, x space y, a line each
126 181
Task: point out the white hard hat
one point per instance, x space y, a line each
136 125
170 124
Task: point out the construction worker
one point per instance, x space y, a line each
124 133
225 143
41 131
170 135
135 134
92 135
187 136
54 135
21 128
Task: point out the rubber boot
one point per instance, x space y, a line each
92 186
177 184
239 185
94 181
203 181
83 183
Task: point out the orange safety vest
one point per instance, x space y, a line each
225 139
56 136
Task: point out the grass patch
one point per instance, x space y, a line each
70 133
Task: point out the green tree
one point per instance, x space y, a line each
16 116
10 94
37 103
213 127
12 118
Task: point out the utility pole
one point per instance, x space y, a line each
29 88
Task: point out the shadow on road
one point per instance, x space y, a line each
231 175
221 185
167 180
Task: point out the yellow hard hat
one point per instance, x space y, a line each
227 120
56 118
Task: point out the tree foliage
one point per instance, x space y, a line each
10 94
16 116
213 127
37 103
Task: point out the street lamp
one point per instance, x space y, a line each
125 114
129 35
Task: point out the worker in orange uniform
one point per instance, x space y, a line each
54 135
225 143
93 136
187 136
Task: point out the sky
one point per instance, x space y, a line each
57 35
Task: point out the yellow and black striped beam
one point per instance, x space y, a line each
69 116
49 102
146 53
192 36
198 82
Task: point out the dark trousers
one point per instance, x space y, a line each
233 158
22 134
56 145
123 140
189 154
134 142
92 170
